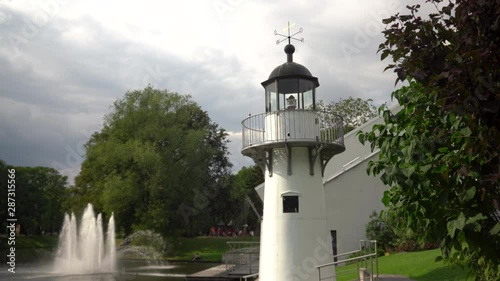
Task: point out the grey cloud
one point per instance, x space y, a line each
88 80
62 88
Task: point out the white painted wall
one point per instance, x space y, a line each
350 199
292 244
351 195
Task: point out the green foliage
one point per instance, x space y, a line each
409 240
243 184
437 165
39 194
157 155
441 152
380 230
354 111
453 53
247 179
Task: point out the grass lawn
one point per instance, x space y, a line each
419 266
416 265
30 248
210 248
422 267
29 242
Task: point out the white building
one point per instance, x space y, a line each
351 195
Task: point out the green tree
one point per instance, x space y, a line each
441 152
156 151
39 194
355 111
247 179
439 176
243 184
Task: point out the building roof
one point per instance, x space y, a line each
290 69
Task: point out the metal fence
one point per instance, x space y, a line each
365 258
242 258
292 125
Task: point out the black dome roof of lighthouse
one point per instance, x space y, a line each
291 69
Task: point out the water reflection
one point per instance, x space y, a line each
129 270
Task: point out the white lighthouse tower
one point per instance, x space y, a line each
293 142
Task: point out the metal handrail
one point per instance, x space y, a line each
292 125
230 243
347 260
364 258
374 242
249 276
347 253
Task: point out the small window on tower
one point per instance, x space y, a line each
290 204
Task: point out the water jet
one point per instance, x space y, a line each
83 250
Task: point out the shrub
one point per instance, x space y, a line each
380 230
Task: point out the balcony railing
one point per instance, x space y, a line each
292 126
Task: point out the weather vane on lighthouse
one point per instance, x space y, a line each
289 36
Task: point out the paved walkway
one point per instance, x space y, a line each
386 277
393 277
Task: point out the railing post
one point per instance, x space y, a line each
362 274
371 266
263 122
376 257
357 266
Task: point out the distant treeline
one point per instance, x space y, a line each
39 195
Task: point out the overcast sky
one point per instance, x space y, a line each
63 63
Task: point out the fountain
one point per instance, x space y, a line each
87 252
84 251
143 244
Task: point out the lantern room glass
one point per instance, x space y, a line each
271 98
280 90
